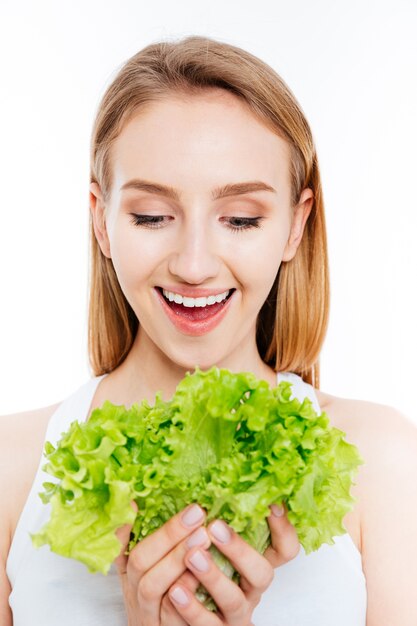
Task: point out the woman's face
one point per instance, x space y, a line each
202 168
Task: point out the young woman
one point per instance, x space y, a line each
208 247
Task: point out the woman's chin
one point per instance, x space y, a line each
189 360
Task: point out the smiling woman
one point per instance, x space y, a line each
208 247
204 138
196 218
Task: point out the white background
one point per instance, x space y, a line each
352 65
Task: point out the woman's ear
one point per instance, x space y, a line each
299 219
98 215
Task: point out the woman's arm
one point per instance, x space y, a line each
6 469
388 507
5 612
21 443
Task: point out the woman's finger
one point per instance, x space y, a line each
255 571
150 550
284 540
157 561
191 609
155 583
251 565
169 614
228 597
123 535
189 580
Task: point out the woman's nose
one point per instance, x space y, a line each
195 257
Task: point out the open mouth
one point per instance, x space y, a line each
196 313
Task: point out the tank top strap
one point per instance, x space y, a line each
300 389
73 408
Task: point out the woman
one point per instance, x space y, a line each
208 248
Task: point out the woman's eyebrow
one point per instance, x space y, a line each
235 189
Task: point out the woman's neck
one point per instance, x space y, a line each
147 370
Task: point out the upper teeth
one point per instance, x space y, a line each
176 297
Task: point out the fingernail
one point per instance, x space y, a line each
193 515
179 596
220 531
278 511
198 538
199 561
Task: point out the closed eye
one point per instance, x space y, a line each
245 223
149 221
156 221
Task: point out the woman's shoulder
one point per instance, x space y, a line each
369 422
386 501
21 443
22 431
384 435
387 441
17 429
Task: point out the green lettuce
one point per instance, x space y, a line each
225 440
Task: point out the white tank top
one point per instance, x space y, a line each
325 588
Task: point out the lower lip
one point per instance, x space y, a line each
194 327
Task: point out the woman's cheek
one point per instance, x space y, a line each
134 255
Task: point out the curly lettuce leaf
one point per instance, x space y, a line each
227 441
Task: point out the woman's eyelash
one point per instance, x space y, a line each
150 221
153 221
247 222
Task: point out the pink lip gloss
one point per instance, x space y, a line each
195 321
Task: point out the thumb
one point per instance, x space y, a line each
284 539
123 535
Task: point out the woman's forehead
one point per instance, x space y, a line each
196 136
200 123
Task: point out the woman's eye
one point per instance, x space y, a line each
149 221
235 224
243 223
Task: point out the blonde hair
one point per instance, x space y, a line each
292 323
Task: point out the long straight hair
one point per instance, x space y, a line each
292 323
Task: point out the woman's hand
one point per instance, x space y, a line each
155 577
155 564
236 603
